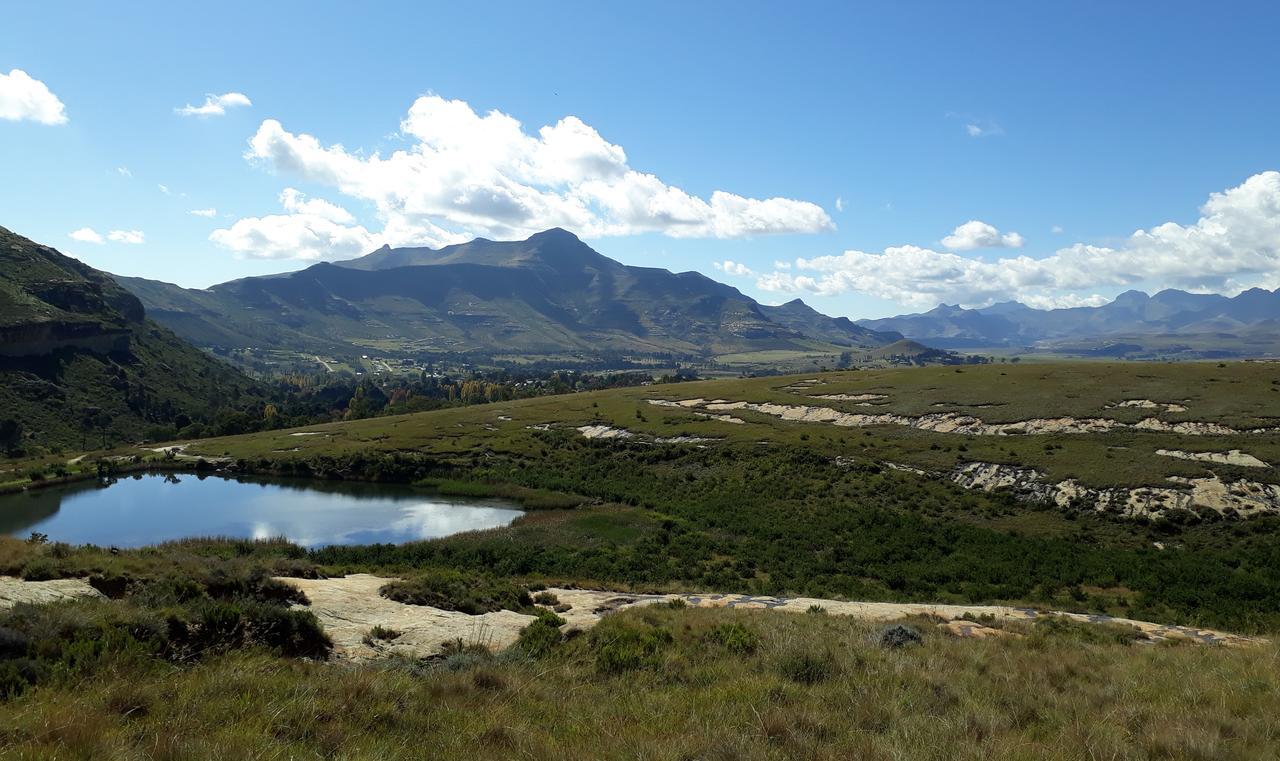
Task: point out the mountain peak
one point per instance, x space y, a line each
555 233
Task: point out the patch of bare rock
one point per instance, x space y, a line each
1147 404
1238 499
1230 457
951 422
350 607
15 591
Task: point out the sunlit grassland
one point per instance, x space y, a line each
1243 395
789 686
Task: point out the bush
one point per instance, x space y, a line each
40 569
465 592
808 667
381 633
899 635
540 637
735 638
622 646
546 598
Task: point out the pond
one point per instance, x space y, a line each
150 508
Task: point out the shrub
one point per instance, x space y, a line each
40 569
546 598
805 667
735 638
899 635
540 637
383 633
465 592
817 610
622 646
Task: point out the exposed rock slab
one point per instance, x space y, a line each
14 591
1231 457
1240 498
349 607
954 422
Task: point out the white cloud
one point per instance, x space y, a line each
215 105
780 265
983 129
975 234
85 235
163 188
314 230
730 267
839 203
22 97
204 212
1057 230
1235 244
132 237
472 174
123 171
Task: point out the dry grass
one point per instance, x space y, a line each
1043 697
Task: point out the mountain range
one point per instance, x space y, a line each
548 295
80 358
1171 323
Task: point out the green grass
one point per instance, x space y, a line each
1239 394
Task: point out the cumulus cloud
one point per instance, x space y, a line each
24 98
203 212
132 237
483 174
123 171
215 105
730 267
85 235
975 234
839 203
313 230
1235 244
1057 230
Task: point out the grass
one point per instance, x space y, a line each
1241 395
814 687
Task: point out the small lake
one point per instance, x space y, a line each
149 508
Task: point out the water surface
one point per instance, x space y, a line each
151 508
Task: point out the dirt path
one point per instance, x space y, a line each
349 607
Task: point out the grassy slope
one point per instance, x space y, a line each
1050 696
1239 394
156 380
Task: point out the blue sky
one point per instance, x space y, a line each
1059 130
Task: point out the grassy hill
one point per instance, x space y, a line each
81 364
624 493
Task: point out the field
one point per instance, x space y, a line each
1240 395
719 685
629 489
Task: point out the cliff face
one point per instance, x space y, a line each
81 364
50 302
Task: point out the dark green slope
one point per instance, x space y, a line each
80 362
551 293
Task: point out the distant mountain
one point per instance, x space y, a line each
1170 323
548 295
81 363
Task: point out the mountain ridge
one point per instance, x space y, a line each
1160 320
550 293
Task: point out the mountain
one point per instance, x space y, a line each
1169 323
548 295
79 359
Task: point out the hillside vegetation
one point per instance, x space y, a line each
81 365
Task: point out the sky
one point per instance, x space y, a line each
870 158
